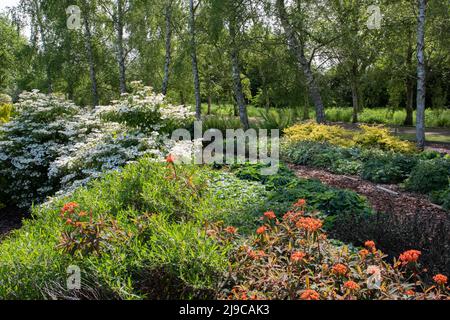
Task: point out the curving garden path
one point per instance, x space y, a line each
403 221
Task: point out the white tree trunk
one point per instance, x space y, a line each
297 48
198 101
168 18
421 75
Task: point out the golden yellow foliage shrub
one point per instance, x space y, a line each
312 131
5 112
369 136
380 137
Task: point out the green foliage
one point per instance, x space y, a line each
442 198
434 118
429 175
285 188
387 167
153 232
280 119
221 123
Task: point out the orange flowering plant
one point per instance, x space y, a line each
294 259
82 235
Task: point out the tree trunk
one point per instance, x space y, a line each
421 75
409 85
198 101
168 18
298 49
92 72
120 50
40 24
236 74
355 92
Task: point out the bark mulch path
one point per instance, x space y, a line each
383 198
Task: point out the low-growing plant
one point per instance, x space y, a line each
279 119
311 131
387 167
380 137
429 175
5 112
291 258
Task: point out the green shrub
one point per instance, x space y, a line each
156 238
339 114
429 175
387 167
442 198
221 123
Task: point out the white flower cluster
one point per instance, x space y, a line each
53 146
147 111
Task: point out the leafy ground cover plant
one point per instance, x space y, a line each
292 258
284 188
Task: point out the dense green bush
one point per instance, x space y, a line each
152 240
387 167
429 175
442 198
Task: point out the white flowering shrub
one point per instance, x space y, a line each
52 146
147 111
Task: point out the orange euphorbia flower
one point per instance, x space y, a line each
339 269
310 295
300 203
364 253
69 207
261 230
440 279
270 215
297 256
351 285
410 293
170 159
370 245
256 255
410 256
231 230
309 224
292 216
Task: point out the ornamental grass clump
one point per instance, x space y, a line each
292 258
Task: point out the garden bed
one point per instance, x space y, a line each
404 220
